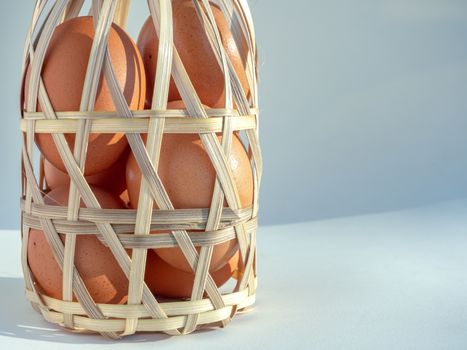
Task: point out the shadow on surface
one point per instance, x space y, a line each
19 320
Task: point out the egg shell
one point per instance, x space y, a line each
195 52
188 176
95 263
63 73
165 280
111 179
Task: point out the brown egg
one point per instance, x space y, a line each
111 179
95 263
195 52
188 177
165 280
63 73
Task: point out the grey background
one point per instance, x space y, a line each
364 104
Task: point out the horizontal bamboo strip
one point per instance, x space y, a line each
128 216
137 114
85 227
171 308
175 125
144 325
130 240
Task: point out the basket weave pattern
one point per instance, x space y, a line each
121 229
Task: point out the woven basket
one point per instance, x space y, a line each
122 229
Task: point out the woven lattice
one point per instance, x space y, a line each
129 229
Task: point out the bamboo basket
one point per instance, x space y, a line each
122 229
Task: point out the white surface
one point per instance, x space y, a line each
389 281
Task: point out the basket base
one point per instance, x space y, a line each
177 314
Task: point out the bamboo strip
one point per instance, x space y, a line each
127 216
121 13
147 113
112 125
224 233
145 325
171 308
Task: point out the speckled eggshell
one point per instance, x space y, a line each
63 73
195 52
98 268
165 280
188 177
111 179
